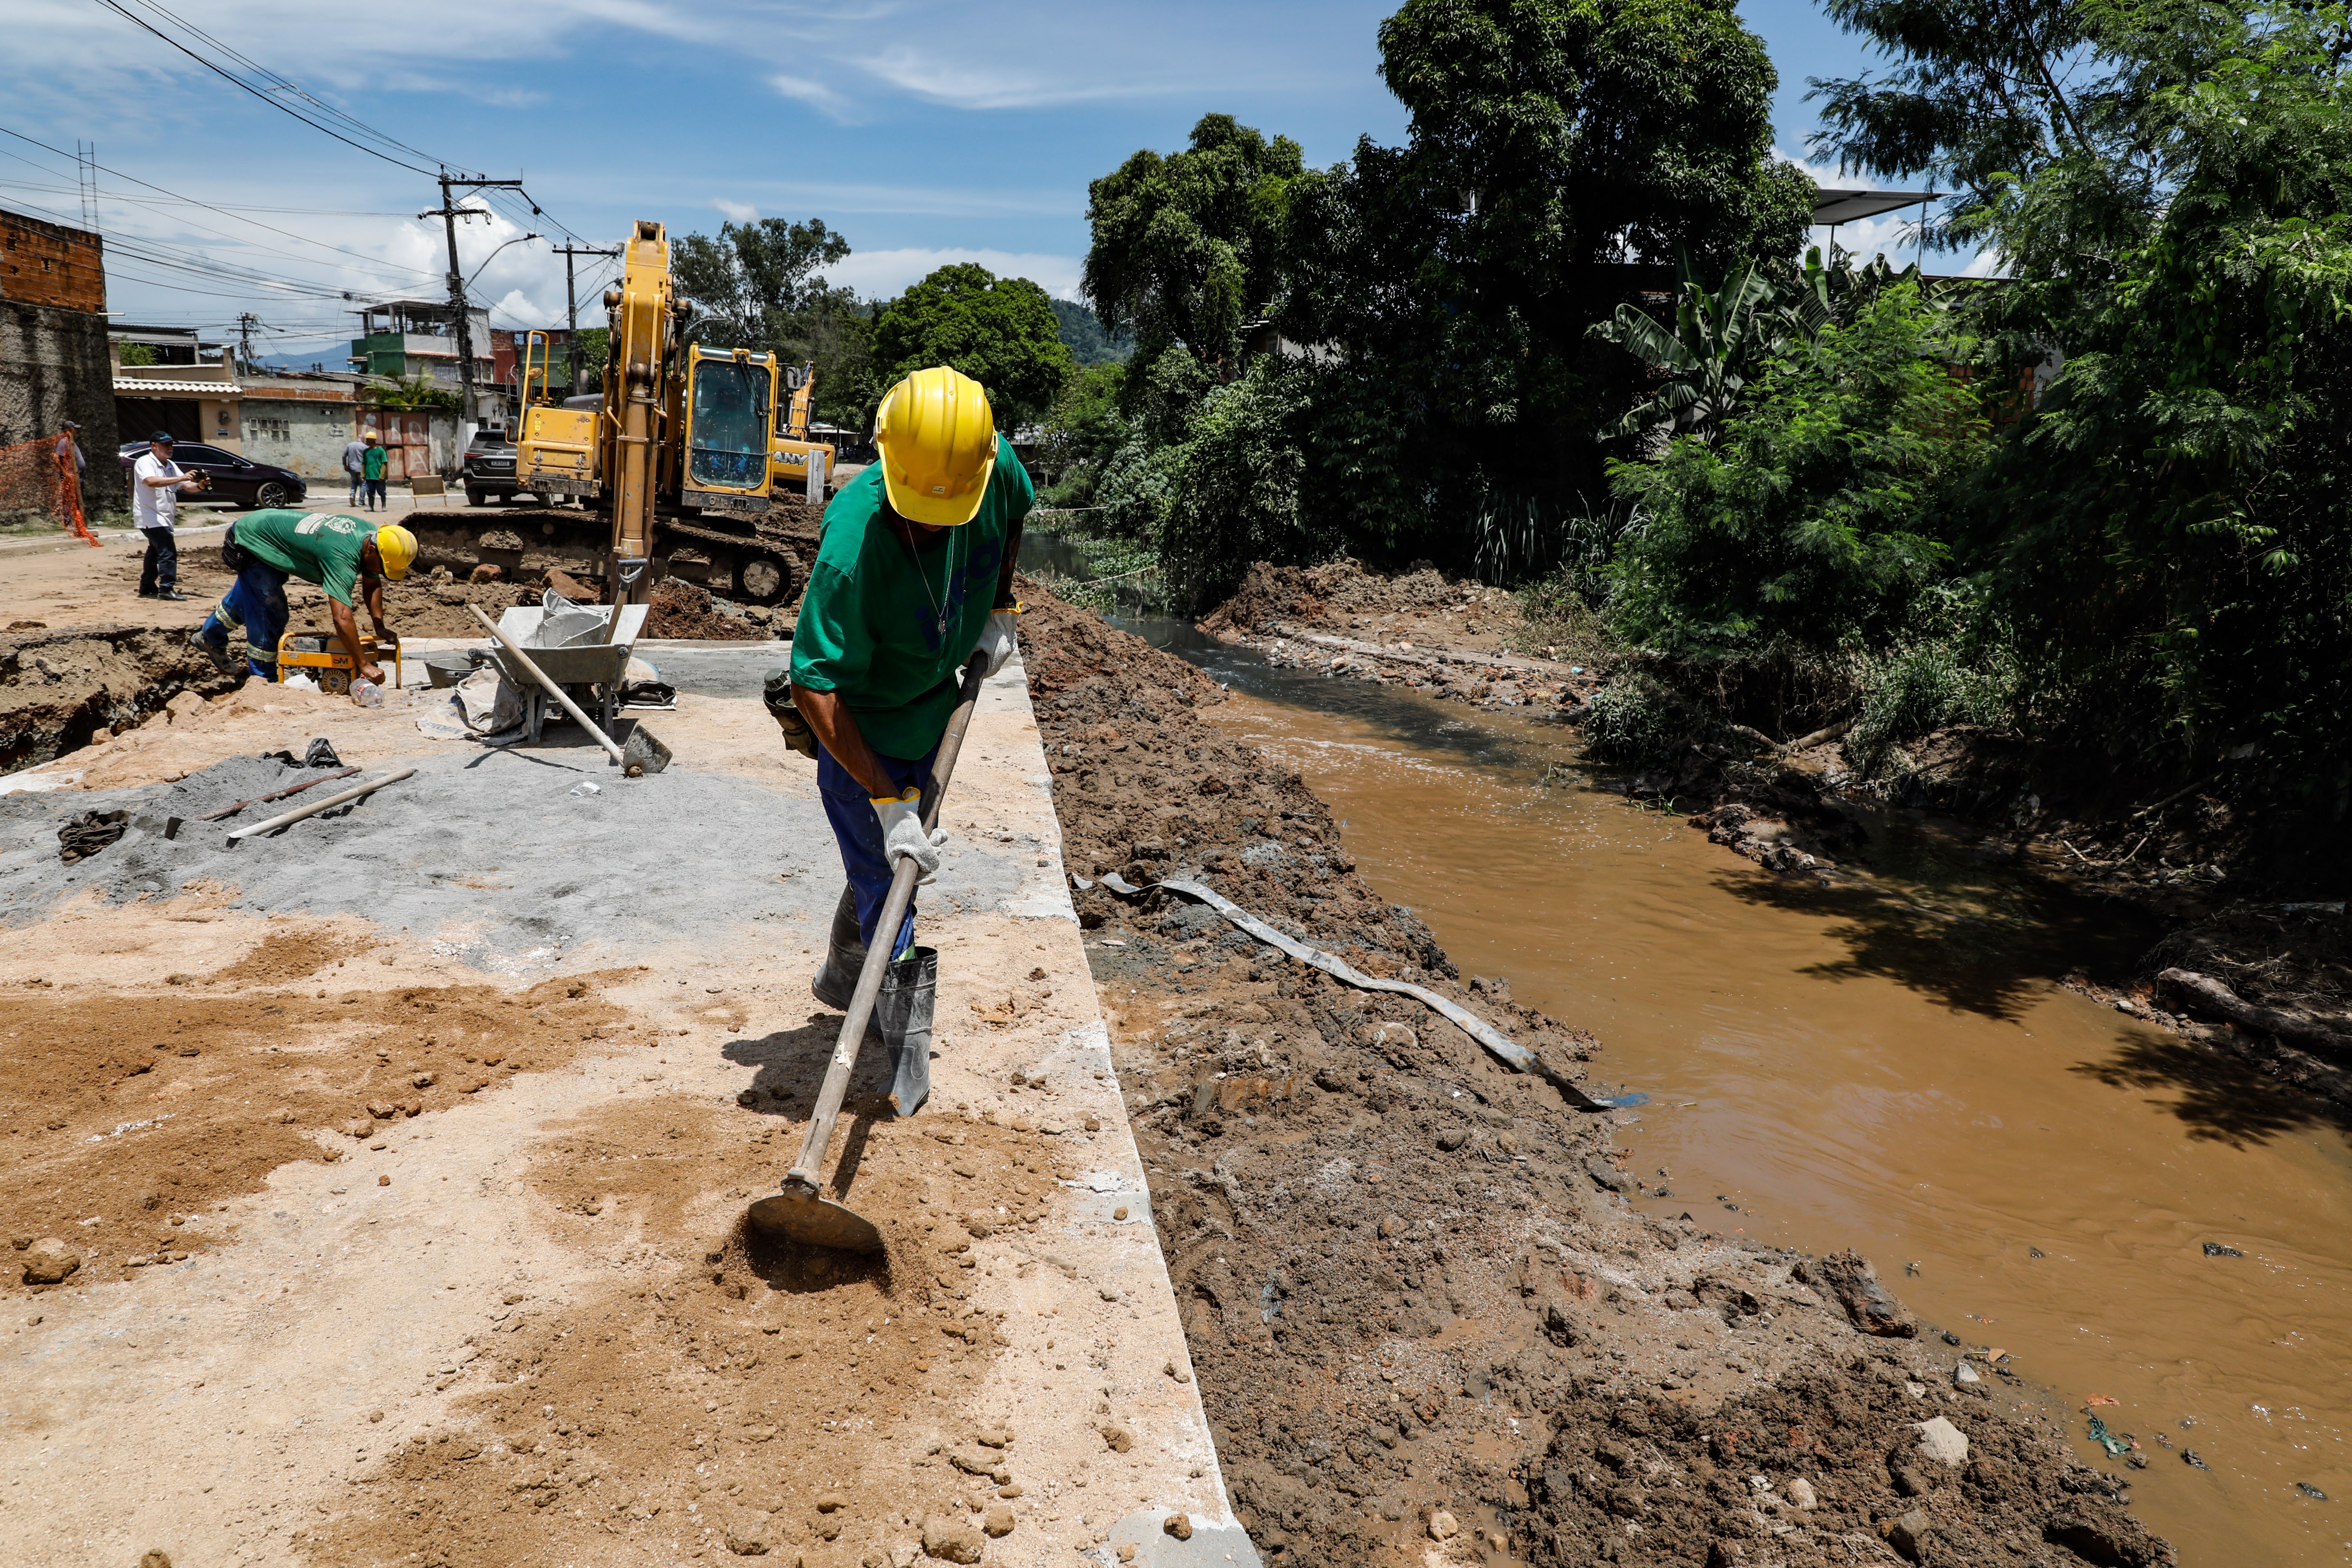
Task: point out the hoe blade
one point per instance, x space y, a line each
643 753
804 1219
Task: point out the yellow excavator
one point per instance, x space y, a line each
687 449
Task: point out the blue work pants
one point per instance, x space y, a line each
849 806
255 603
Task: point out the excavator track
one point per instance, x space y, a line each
765 565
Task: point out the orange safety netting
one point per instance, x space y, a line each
37 479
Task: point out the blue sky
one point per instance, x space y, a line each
924 132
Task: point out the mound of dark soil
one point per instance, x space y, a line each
1333 595
688 610
1652 1481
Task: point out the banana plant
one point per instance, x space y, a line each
1715 336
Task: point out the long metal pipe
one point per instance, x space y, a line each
316 807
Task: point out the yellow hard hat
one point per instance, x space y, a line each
398 548
937 436
368 436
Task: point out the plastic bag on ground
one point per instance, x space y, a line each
566 623
490 702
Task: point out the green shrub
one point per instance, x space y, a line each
1918 691
1807 525
1635 720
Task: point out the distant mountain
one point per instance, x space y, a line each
1087 343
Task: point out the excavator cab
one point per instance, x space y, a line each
794 460
558 448
729 395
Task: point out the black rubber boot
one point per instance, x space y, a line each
844 956
903 1014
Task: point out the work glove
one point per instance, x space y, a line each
903 837
778 695
998 641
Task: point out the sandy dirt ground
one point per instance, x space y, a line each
401 1168
49 587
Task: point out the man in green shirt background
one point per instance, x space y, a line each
348 558
914 576
372 464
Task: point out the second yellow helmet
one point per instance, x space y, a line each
937 437
398 547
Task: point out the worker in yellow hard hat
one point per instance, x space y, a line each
914 577
349 558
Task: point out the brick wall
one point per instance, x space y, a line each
48 264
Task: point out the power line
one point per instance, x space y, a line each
153 254
119 238
36 141
279 86
192 202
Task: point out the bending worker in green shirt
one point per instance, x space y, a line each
914 577
348 558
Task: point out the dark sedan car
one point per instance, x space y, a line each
239 480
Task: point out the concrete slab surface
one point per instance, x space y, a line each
346 1297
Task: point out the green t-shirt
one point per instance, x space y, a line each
869 623
321 547
372 463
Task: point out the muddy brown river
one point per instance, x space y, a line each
1896 1069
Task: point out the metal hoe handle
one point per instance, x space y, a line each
803 1174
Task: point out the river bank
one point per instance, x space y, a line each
1427 1301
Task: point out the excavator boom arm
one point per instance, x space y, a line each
635 408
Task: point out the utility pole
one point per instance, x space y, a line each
244 325
448 212
86 182
571 304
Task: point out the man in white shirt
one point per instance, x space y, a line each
156 482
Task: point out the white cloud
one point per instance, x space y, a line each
879 274
1893 236
735 212
966 83
818 96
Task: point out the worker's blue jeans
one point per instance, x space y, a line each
256 602
849 806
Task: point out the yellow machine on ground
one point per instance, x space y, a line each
689 445
790 452
322 658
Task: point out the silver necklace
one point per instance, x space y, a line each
947 578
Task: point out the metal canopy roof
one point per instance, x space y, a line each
136 386
1851 207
